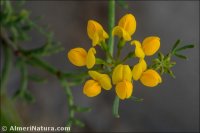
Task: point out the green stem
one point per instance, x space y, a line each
111 24
44 65
116 107
24 78
6 39
129 55
6 67
70 100
120 45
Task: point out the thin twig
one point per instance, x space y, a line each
111 24
6 68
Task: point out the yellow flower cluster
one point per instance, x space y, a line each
122 75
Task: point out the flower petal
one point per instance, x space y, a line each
91 88
150 78
124 89
127 74
150 45
128 23
77 56
143 64
90 60
120 90
117 75
138 49
92 28
121 33
95 75
120 73
95 39
96 32
103 79
129 89
105 35
105 82
137 71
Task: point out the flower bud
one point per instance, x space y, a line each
150 78
138 49
150 45
96 32
77 56
120 73
124 89
91 88
126 27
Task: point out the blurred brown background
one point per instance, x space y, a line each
171 106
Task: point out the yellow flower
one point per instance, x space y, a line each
150 78
93 87
150 46
90 59
96 32
124 89
103 79
138 69
120 73
138 49
79 57
122 77
126 27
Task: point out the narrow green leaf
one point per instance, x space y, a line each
171 73
172 64
37 78
136 99
24 95
185 47
24 75
116 107
160 56
76 82
104 46
52 50
181 56
43 65
175 45
156 60
161 70
81 109
100 61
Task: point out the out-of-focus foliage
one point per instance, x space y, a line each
16 25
